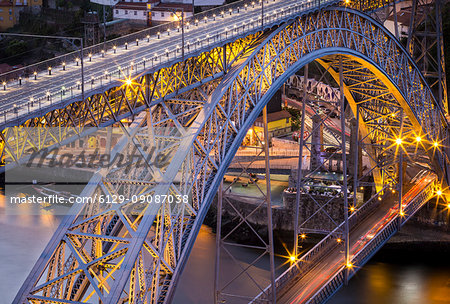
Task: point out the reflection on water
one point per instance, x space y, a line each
22 240
380 282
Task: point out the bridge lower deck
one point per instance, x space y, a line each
304 287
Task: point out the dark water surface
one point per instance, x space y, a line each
400 275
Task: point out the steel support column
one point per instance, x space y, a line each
356 159
218 244
300 162
269 205
344 172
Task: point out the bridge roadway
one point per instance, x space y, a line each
301 290
115 67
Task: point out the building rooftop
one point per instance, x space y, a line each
5 3
172 6
275 116
134 5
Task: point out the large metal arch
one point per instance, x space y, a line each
212 178
362 58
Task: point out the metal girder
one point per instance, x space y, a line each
150 245
426 45
62 126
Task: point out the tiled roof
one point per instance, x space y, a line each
164 7
275 116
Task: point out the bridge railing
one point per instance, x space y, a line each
305 263
73 90
362 256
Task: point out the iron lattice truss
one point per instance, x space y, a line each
131 253
60 126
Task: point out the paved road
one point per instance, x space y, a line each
312 281
112 64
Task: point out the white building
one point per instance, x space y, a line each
137 10
166 12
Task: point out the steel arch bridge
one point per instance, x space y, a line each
126 254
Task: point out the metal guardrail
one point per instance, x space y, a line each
306 262
69 92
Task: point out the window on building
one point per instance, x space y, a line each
126 12
144 13
10 17
162 14
171 14
153 14
117 11
287 120
135 13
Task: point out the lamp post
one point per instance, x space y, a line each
182 29
57 37
262 14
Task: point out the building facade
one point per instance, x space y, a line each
167 12
151 12
10 11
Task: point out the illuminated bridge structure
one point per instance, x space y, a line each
196 106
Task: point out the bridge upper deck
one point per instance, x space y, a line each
136 54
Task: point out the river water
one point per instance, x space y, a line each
424 279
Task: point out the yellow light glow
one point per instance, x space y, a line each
418 138
398 141
303 236
448 206
352 208
349 265
393 190
439 192
292 258
128 82
339 240
402 213
435 144
379 198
